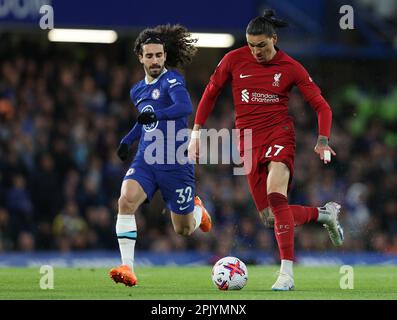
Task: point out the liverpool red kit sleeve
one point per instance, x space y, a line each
312 95
217 81
324 115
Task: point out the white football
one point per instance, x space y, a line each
229 273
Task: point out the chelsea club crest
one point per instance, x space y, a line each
151 126
155 94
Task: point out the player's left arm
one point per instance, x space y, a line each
312 95
181 107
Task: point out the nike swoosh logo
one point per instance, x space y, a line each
278 233
245 75
183 208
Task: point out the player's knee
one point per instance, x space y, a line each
267 217
278 177
184 230
127 204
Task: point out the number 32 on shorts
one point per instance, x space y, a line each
184 195
273 151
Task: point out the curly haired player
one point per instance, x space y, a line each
164 105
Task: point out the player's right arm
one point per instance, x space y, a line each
217 81
134 134
124 148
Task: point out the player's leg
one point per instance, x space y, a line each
267 217
258 181
302 215
277 185
131 197
187 210
328 216
186 224
138 185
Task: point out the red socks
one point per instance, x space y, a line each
283 224
304 215
285 219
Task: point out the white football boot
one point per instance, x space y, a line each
329 216
284 283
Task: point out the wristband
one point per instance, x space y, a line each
327 155
196 134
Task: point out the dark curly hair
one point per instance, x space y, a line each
176 40
266 24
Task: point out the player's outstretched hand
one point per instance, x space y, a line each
194 146
147 117
123 151
323 149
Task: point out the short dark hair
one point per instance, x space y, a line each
176 40
266 24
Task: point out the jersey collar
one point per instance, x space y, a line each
277 57
157 79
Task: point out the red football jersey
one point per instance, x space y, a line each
261 92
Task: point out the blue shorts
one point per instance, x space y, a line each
177 186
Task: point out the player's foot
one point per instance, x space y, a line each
332 209
206 223
284 283
123 274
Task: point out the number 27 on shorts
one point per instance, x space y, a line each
273 151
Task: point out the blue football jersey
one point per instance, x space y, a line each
160 141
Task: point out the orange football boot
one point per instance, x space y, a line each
206 223
123 274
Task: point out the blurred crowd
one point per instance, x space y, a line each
64 109
386 9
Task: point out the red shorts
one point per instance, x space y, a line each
279 146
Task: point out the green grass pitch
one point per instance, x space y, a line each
186 283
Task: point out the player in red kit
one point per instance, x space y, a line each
261 76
